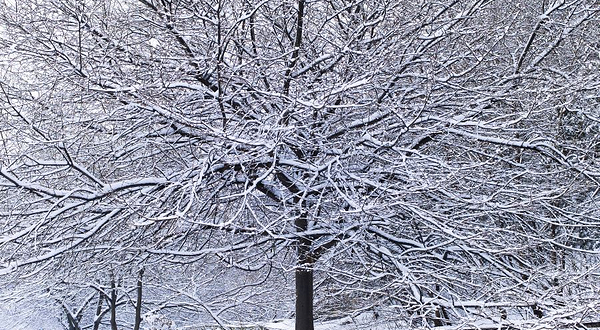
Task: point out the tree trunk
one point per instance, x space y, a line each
297 44
113 304
304 298
73 324
138 306
99 313
304 279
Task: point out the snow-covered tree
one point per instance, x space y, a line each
436 157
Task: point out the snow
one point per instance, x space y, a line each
16 317
11 320
154 42
362 321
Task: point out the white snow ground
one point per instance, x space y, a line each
363 321
15 318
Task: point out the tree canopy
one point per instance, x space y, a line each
426 158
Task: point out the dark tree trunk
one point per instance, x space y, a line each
304 279
304 298
99 313
73 324
297 44
113 304
138 306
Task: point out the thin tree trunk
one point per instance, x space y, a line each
113 304
138 306
99 313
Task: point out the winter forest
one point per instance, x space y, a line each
289 164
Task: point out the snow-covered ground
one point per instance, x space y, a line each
363 321
13 320
16 318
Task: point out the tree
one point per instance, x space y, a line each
424 146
